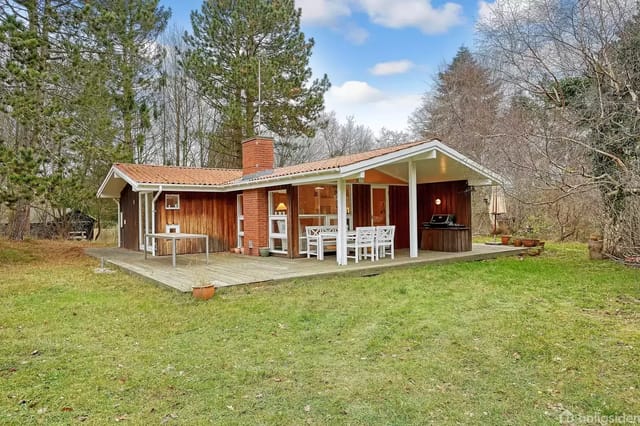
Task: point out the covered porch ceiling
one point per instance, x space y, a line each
442 168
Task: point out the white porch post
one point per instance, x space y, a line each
413 211
341 242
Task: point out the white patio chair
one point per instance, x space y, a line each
363 244
384 240
313 240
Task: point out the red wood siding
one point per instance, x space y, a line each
213 214
129 209
454 200
292 225
399 214
361 200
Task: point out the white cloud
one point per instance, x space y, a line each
413 13
485 11
355 34
390 68
371 106
322 12
355 92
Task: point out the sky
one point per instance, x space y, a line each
381 56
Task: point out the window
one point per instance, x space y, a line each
278 221
318 206
172 202
240 221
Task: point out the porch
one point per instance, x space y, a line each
226 269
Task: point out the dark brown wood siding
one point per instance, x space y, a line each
399 214
213 214
292 225
129 209
455 199
361 201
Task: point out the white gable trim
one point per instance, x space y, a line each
424 151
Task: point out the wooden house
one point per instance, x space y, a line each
263 206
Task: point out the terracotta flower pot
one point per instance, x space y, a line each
203 292
517 242
529 242
505 239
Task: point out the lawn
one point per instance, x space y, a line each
495 342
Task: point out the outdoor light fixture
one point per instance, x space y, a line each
281 208
438 201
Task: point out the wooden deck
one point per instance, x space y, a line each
226 269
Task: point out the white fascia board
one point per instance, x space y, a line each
481 182
114 173
104 182
298 179
426 149
450 152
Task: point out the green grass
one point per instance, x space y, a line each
492 342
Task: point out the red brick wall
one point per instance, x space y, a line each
257 155
255 206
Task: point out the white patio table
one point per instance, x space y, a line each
175 236
330 236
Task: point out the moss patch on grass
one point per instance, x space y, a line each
495 342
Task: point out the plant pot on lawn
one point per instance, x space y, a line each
505 239
517 242
264 251
530 242
203 292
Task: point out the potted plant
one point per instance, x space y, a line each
505 239
517 241
203 292
264 251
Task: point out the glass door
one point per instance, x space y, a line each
379 205
145 213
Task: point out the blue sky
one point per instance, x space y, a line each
380 55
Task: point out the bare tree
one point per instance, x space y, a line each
576 67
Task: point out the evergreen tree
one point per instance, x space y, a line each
125 33
33 155
231 40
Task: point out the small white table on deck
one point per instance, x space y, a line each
175 236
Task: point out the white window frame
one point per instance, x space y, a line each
240 220
174 207
274 222
386 202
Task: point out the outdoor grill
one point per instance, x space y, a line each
442 221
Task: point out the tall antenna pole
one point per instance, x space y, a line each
259 97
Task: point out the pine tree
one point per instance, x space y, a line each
125 32
33 152
231 40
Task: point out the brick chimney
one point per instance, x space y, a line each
257 155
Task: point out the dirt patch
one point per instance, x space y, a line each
41 251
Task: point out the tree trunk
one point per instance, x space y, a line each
19 223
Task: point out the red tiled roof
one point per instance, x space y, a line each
153 174
146 173
333 163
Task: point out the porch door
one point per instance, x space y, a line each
145 222
379 205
